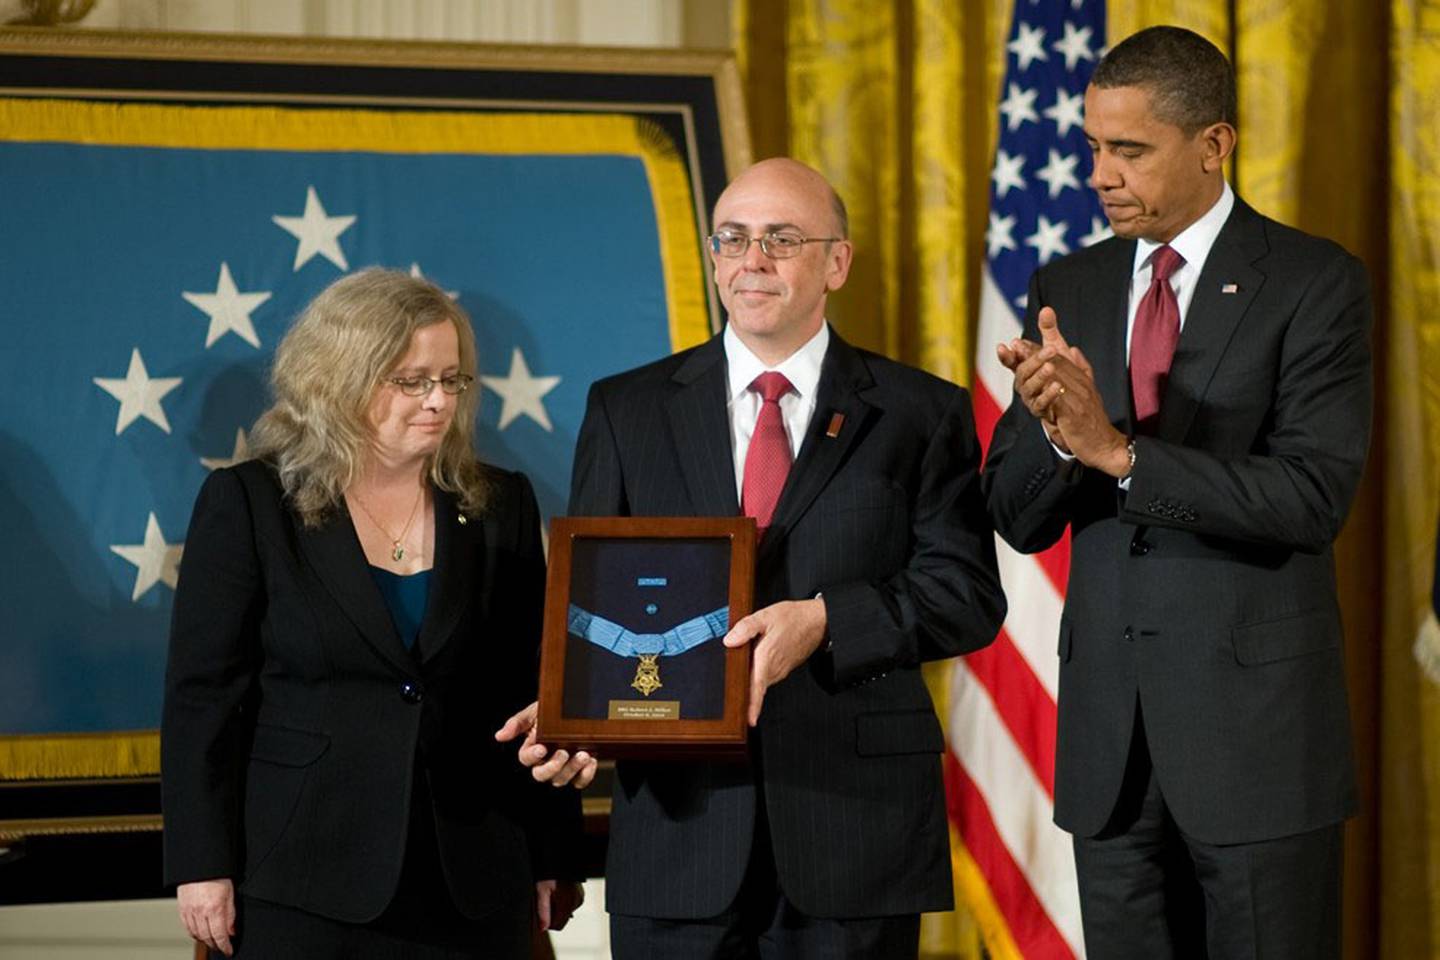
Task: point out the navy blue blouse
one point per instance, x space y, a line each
405 596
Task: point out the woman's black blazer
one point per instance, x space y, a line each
295 719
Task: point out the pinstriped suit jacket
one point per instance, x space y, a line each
887 520
1205 597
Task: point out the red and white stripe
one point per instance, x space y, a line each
1000 768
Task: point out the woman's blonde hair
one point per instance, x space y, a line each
325 374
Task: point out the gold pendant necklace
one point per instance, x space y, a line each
397 545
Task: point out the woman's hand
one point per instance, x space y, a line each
207 908
556 901
560 768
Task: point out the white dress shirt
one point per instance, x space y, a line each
742 406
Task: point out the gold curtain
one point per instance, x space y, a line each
895 101
1408 902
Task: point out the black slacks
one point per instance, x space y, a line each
763 925
1148 890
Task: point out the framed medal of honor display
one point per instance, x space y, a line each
632 663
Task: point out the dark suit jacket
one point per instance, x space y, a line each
887 520
1207 593
295 718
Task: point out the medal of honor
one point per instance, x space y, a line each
648 648
647 674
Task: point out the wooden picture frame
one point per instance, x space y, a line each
608 576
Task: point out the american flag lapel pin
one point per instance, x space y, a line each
837 420
1229 288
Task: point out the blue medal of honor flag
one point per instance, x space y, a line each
144 291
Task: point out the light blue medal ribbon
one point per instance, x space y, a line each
648 646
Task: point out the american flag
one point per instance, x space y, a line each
1017 868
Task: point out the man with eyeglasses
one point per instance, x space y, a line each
875 555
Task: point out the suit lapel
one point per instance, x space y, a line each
453 574
843 376
334 553
1108 295
1213 317
700 428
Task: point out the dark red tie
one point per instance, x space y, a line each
767 462
1152 344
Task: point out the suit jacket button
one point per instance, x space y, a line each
1138 548
411 692
1129 634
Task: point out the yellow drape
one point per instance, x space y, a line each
895 101
1409 715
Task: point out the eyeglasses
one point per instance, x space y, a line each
777 245
454 384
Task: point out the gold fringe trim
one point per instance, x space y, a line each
975 892
1427 647
681 256
75 756
76 826
403 132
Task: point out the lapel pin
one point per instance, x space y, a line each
837 420
1229 288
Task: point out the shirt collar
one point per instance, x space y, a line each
801 368
1194 242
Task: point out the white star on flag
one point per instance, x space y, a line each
1068 111
521 393
1059 173
155 560
1019 106
139 394
1007 172
228 309
240 454
1075 45
317 232
415 272
998 237
1048 239
1029 46
1099 230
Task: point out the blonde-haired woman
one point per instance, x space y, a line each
359 607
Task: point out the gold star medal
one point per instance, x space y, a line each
647 674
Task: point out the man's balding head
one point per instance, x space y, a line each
775 306
800 179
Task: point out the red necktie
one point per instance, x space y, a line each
767 461
1152 343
